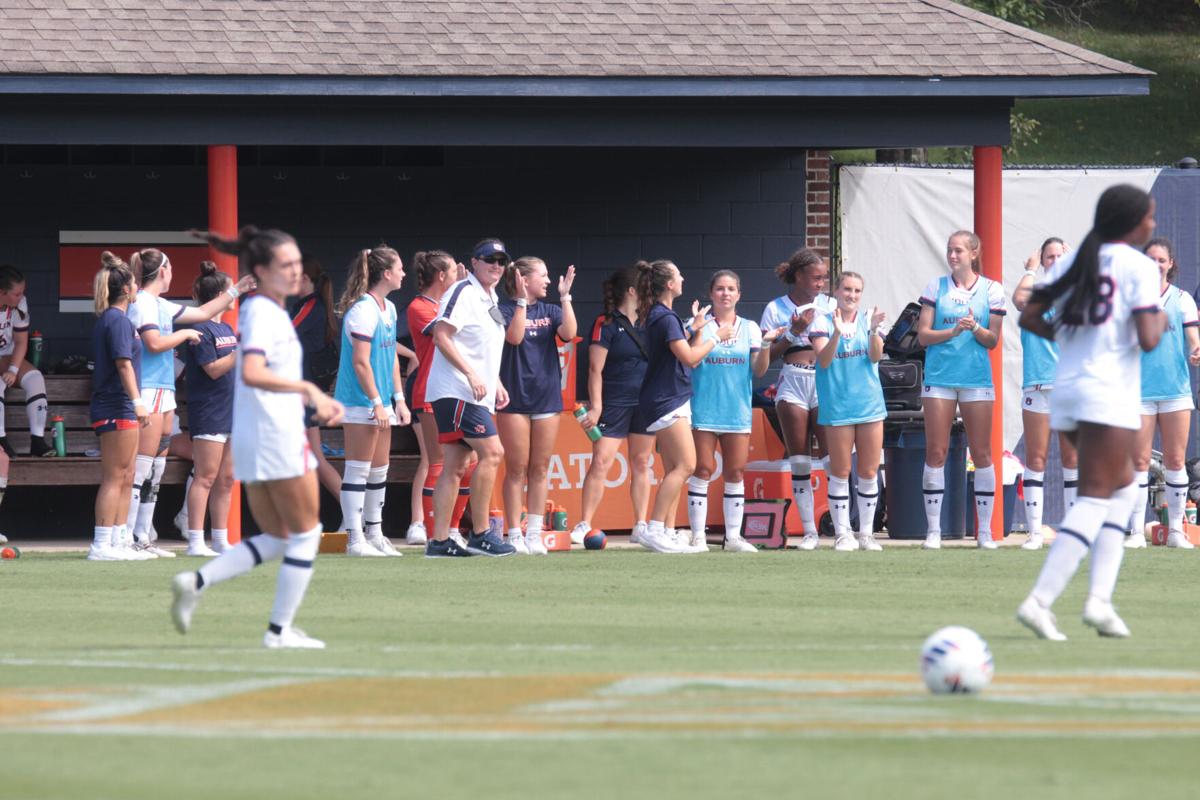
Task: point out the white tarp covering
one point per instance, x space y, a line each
895 221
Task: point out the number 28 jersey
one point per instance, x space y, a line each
1102 354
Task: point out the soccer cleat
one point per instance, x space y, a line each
1177 539
416 534
986 542
1103 617
183 586
200 550
536 545
579 532
7 448
866 541
1039 619
158 551
181 521
445 548
137 551
660 542
104 552
291 638
844 543
384 545
635 535
933 541
1034 542
698 541
489 544
736 544
38 447
1135 541
809 541
363 549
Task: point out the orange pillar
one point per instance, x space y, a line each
989 226
222 219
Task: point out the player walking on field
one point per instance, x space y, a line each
1105 303
1167 400
959 323
271 454
370 389
849 347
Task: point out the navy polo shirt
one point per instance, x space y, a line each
113 338
668 383
530 371
625 366
210 402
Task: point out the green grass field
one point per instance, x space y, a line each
616 674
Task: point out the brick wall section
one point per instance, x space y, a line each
818 201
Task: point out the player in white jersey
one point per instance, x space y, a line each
1104 299
960 321
1039 362
1167 400
15 368
806 275
271 454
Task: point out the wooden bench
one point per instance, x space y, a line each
69 396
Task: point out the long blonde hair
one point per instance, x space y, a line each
108 287
365 271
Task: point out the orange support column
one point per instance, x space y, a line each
223 219
989 226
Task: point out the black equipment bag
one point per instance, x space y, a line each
901 342
901 381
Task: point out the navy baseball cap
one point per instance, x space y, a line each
490 247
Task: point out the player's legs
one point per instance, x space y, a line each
542 435
376 494
1037 444
868 442
641 454
361 442
678 453
148 446
206 466
117 451
329 478
604 452
939 418
705 443
1143 442
514 432
794 424
977 417
1175 426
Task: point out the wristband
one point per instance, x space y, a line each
522 302
233 292
14 369
137 401
375 401
977 326
566 298
398 397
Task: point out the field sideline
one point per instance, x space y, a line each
616 674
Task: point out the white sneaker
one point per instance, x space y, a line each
659 542
1039 619
635 535
3 538
181 521
579 532
291 637
933 541
698 541
1135 541
385 546
536 544
866 541
736 544
159 552
183 586
1177 539
1034 542
457 536
517 540
362 549
986 542
220 547
136 551
104 552
416 534
200 550
844 543
810 541
1103 617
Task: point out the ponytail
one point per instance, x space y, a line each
323 288
365 271
653 278
253 247
110 283
429 264
972 244
617 285
525 265
146 265
209 283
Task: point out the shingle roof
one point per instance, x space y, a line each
531 38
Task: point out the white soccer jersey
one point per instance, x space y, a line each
479 338
269 441
12 320
779 313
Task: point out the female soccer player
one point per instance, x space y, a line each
369 372
529 369
722 385
1040 360
117 409
960 322
806 275
15 368
849 347
666 394
155 319
464 389
317 328
209 374
270 450
1167 400
616 370
1104 299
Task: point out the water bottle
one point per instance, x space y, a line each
59 429
560 518
593 432
35 349
496 522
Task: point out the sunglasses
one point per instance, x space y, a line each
501 260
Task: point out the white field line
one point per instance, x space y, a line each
235 669
140 699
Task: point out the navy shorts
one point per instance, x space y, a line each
409 383
458 419
617 422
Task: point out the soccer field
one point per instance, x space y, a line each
613 674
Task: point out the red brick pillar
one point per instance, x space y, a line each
818 217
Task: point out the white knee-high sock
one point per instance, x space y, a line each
294 575
1035 483
1177 489
353 497
802 491
35 402
142 467
985 500
143 530
933 483
373 502
839 504
1109 548
697 499
868 500
1075 536
1141 500
733 507
1070 486
242 558
187 487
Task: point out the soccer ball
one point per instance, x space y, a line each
955 660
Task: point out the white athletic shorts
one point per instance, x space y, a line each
273 454
159 401
219 438
1113 406
1037 398
361 415
980 395
797 385
1152 408
666 420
